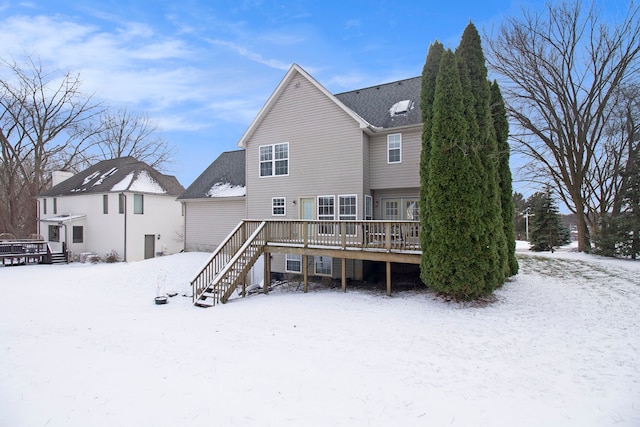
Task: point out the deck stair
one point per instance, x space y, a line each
229 265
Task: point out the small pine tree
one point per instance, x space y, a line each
547 230
631 200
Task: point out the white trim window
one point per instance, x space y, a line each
293 263
326 212
274 160
394 148
348 211
368 207
278 206
323 265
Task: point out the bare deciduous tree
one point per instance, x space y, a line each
42 127
123 133
564 68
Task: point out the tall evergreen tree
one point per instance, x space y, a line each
501 126
473 74
453 263
429 75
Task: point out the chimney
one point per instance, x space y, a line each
58 176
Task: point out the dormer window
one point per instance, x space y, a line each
400 107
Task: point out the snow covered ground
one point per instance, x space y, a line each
84 344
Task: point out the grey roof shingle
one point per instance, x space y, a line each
228 168
373 103
103 176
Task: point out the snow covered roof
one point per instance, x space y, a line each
62 218
225 177
114 176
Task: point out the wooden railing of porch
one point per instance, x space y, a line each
390 241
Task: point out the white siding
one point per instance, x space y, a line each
104 233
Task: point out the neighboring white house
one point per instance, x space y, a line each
120 205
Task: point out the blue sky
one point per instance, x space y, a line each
203 68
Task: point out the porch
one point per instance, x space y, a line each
30 251
384 241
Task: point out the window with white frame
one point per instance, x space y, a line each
274 159
278 206
394 148
326 212
293 263
323 265
348 211
368 208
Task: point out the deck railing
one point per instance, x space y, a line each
368 235
23 250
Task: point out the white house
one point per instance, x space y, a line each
120 205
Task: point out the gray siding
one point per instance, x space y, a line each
397 175
209 221
325 151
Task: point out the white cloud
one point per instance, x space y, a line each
253 56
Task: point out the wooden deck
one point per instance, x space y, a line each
28 251
385 241
17 252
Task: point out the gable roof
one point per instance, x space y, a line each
228 170
117 175
375 104
293 71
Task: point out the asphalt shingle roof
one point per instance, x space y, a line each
374 103
228 168
103 176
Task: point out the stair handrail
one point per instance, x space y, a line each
218 275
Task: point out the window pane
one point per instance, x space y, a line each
138 204
391 210
323 265
282 151
282 167
278 206
266 169
78 234
121 202
294 263
265 153
394 146
105 203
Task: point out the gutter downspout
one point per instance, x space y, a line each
124 197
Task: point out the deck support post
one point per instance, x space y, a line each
305 272
266 281
388 278
344 275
